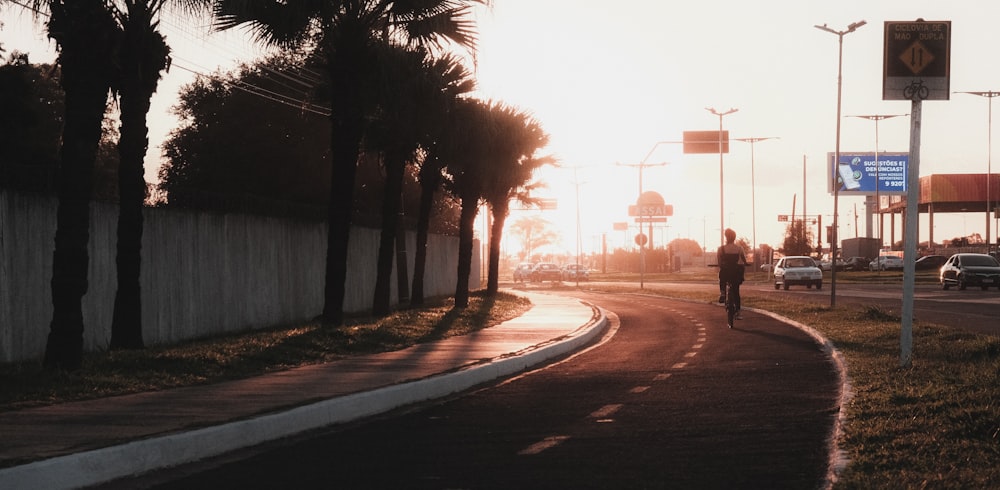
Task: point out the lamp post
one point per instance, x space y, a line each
753 189
878 182
989 155
722 211
836 188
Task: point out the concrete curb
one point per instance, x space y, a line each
137 457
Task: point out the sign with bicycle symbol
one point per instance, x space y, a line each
917 60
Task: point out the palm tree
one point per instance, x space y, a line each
142 58
511 166
346 31
85 34
456 81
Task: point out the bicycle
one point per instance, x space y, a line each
731 307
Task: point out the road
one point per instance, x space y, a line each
670 397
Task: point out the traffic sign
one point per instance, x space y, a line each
641 239
706 141
648 219
651 210
782 218
917 60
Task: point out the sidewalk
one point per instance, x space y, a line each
73 445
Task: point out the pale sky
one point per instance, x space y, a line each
608 81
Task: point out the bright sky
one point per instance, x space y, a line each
608 81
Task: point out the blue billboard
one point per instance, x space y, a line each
857 174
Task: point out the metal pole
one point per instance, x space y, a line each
989 94
722 209
836 188
753 185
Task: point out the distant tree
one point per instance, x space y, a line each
31 124
233 141
533 232
686 246
798 239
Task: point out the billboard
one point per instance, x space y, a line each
857 174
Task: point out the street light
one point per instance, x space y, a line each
836 189
722 211
753 188
878 182
989 155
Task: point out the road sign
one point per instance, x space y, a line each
917 60
620 225
641 239
782 218
857 174
705 141
648 219
651 210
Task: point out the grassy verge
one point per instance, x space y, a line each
935 424
248 354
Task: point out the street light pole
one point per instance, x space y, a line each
989 156
753 188
878 181
836 188
722 211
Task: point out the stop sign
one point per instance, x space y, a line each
641 239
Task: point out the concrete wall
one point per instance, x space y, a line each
202 273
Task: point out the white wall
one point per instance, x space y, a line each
202 273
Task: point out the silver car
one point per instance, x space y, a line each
797 270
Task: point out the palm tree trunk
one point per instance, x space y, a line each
82 31
467 224
496 236
429 182
394 166
347 66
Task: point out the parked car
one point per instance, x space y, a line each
857 263
522 273
766 267
575 272
885 263
928 262
546 271
825 264
968 269
797 269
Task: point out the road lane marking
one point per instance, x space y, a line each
679 365
638 389
606 411
661 377
548 442
690 354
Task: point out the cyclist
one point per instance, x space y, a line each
732 263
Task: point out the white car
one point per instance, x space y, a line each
797 269
886 262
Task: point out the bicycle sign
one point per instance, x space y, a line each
917 60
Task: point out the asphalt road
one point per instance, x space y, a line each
671 398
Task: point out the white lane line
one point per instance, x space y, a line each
690 354
697 346
661 377
548 442
679 365
606 411
638 389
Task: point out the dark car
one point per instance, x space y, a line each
856 263
546 271
968 269
928 262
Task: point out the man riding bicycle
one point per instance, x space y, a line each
732 263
